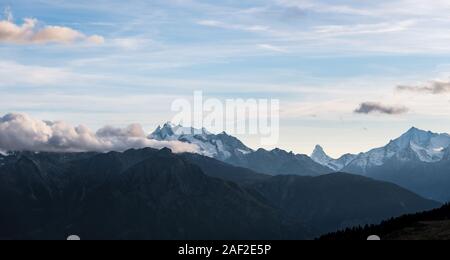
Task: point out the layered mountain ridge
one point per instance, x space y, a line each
414 145
231 150
151 194
418 160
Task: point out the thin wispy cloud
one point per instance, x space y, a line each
320 7
32 75
365 28
273 48
382 8
433 87
229 26
373 107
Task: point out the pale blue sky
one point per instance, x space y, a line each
322 59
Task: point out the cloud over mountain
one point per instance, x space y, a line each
20 132
373 107
29 32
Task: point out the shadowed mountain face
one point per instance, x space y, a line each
165 197
221 170
339 200
280 162
430 180
151 194
146 195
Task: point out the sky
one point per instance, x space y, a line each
350 75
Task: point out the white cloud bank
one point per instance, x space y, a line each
30 33
20 132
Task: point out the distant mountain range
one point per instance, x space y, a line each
227 191
418 160
151 194
414 145
230 150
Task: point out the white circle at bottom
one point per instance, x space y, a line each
73 237
374 238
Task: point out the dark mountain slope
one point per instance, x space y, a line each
430 180
26 198
165 197
151 194
218 169
108 197
279 162
339 200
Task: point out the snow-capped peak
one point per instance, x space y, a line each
320 157
170 131
415 144
428 146
221 146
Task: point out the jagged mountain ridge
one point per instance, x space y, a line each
221 146
232 151
280 162
418 160
414 145
322 158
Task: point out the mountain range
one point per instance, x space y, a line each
220 146
418 160
155 194
414 145
230 150
226 191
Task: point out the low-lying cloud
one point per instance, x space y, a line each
20 132
29 32
373 107
433 87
